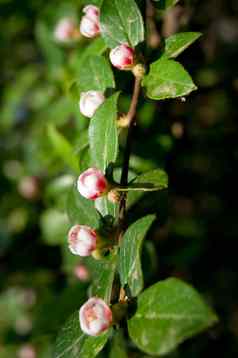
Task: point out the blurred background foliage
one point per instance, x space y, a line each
43 146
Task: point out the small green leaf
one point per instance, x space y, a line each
156 178
80 210
121 22
168 313
177 43
72 342
95 74
62 147
105 207
103 136
103 272
93 345
167 79
130 251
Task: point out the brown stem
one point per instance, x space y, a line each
124 175
125 168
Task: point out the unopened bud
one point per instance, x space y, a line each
122 57
90 101
95 317
82 240
89 26
92 184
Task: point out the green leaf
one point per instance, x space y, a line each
177 43
103 136
93 345
62 147
103 272
121 22
168 313
156 178
130 252
118 349
105 207
81 210
72 342
167 79
85 160
95 74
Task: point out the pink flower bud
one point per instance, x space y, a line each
92 12
65 30
95 316
82 240
89 26
92 184
122 57
90 101
82 273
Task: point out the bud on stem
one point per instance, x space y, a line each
95 317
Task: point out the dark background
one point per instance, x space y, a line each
195 140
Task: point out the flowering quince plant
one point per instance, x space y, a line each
158 318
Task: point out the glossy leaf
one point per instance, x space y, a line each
103 136
130 252
95 74
167 79
81 210
118 349
157 178
177 43
104 272
72 342
121 22
168 313
105 207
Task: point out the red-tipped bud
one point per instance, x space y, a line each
82 240
92 184
92 12
95 317
90 101
89 25
122 57
65 30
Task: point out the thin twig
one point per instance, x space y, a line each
125 168
124 175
